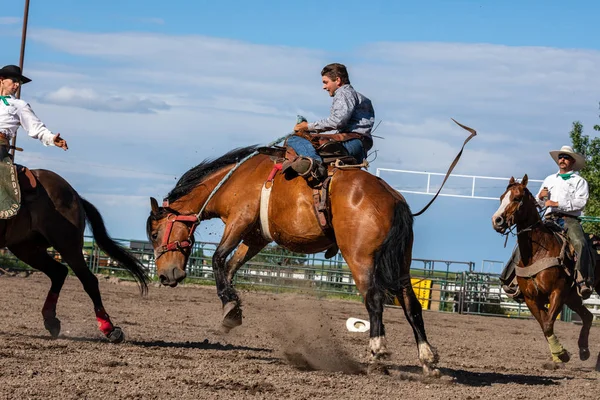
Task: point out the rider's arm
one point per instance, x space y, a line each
542 203
342 108
575 200
34 127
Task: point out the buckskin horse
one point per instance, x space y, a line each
372 224
53 215
545 271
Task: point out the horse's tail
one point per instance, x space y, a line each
113 249
392 263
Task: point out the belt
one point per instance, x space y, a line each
557 215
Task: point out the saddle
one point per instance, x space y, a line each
335 156
14 179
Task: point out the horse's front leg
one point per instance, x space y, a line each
546 318
232 237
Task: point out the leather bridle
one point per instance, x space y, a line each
177 245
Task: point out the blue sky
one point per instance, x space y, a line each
144 90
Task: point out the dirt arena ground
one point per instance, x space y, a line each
290 346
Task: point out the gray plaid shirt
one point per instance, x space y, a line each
350 112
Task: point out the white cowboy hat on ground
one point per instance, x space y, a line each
579 159
357 325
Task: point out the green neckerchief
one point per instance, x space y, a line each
566 176
3 98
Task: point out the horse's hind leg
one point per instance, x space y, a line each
38 258
374 301
413 311
576 304
72 256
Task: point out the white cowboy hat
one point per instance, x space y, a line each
357 325
579 159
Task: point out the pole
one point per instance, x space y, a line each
21 61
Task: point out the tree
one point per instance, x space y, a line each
590 149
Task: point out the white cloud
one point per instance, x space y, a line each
190 97
10 20
96 101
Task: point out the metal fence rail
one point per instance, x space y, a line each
440 285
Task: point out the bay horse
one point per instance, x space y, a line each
550 288
53 215
372 224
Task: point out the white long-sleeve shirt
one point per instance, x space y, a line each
19 113
571 194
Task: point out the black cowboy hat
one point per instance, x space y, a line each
12 71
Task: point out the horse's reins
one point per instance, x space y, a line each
473 133
196 218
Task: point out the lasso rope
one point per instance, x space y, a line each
240 162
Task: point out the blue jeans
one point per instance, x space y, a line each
304 147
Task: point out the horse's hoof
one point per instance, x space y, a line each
561 357
584 353
383 354
116 336
433 373
232 316
564 356
52 325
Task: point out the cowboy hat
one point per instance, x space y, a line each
357 325
579 159
12 71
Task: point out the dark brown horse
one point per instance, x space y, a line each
53 215
549 289
372 224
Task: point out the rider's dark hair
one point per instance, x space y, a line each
334 71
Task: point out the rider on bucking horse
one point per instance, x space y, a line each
351 121
564 194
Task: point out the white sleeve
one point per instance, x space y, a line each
34 127
541 203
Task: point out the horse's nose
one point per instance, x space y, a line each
172 276
179 274
499 221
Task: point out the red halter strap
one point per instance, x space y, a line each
177 245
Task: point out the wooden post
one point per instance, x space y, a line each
21 61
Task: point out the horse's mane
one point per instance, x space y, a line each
194 176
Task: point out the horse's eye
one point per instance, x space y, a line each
154 236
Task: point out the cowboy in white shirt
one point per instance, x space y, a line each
15 113
565 195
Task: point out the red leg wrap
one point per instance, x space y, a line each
104 323
49 309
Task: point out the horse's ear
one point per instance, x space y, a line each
154 205
512 180
524 180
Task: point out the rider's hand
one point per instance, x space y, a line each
60 142
301 127
543 193
550 203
